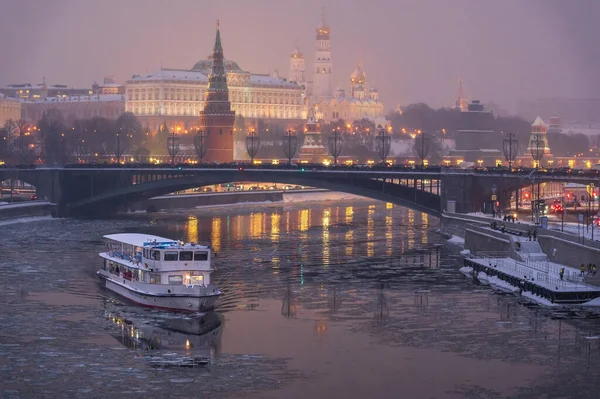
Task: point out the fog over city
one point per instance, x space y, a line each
413 51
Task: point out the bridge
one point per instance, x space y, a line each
94 190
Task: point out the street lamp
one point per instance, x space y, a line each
119 146
200 145
510 145
252 144
290 145
383 144
537 153
422 145
173 146
335 144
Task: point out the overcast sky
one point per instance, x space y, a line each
413 50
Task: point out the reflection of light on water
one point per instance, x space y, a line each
424 226
275 226
410 229
301 274
370 231
287 222
237 230
192 229
349 242
389 235
304 219
215 234
349 214
256 224
275 264
326 248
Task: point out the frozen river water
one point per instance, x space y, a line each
352 299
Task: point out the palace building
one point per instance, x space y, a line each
177 96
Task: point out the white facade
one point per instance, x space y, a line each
172 92
10 109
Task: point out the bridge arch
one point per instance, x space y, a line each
362 186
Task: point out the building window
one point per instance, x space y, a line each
186 255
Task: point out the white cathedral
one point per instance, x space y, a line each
334 104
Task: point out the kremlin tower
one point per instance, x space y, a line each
322 63
297 67
313 150
539 137
461 101
217 118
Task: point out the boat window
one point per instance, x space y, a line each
175 279
156 255
155 278
171 255
196 280
200 255
185 255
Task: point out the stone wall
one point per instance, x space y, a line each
26 210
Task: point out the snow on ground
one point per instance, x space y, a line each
465 252
593 302
456 240
544 274
537 298
466 270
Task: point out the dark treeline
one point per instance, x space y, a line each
55 140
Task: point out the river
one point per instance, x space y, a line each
325 299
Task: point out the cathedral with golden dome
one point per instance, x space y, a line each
361 102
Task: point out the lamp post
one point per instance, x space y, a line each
252 145
383 144
119 146
537 153
290 145
422 145
200 145
173 146
510 146
335 144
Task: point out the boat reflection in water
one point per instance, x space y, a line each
190 341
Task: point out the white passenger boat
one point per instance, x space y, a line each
159 272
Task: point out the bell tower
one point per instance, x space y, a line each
323 65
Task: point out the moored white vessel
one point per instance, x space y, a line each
159 272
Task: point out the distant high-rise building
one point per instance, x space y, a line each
217 118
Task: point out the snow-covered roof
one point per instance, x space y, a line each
136 239
269 80
538 122
177 74
79 98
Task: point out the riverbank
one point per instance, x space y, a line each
22 211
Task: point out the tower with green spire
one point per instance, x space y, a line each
217 118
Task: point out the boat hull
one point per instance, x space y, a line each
187 303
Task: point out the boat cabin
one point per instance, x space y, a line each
157 260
